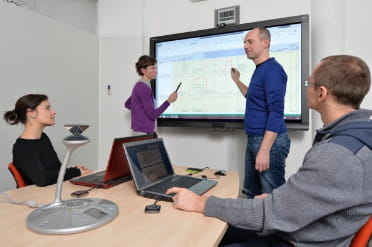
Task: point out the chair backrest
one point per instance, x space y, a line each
363 236
16 175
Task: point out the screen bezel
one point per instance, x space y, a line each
301 124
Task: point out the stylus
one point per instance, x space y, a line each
178 86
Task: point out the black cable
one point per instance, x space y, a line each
206 177
153 208
81 193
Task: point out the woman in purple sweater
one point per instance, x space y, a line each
141 102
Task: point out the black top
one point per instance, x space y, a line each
37 161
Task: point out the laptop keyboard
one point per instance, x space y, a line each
178 181
93 178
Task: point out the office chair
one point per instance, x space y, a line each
16 175
363 237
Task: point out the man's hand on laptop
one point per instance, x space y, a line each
187 200
84 170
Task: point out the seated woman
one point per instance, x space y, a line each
33 152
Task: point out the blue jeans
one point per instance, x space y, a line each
255 182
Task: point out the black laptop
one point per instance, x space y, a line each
153 173
117 170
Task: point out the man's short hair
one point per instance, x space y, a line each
346 77
264 33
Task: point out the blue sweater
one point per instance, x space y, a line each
265 99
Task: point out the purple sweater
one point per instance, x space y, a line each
142 108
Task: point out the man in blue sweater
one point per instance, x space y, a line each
268 142
330 197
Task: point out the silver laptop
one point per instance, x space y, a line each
153 173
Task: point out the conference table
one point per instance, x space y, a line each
131 227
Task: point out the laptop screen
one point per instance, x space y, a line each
117 164
149 161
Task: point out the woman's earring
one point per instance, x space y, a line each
33 116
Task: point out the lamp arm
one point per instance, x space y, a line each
61 175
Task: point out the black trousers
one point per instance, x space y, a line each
237 237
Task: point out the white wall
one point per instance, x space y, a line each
358 38
78 13
121 34
40 55
81 14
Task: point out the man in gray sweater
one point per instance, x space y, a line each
330 197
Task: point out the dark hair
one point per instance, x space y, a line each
346 77
143 62
23 104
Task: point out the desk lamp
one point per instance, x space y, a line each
73 215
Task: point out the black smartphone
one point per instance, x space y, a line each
178 86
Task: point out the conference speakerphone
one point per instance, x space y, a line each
77 215
73 215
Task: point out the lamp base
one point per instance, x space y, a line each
72 216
